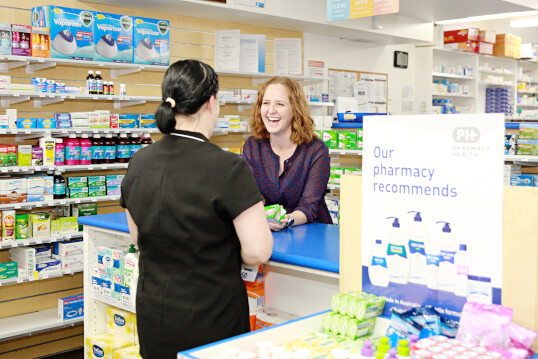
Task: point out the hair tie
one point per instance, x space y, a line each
171 101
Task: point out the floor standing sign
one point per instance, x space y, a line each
432 210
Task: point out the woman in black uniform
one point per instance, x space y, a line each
196 213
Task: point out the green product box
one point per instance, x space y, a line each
7 266
10 273
24 155
21 226
319 133
526 133
527 147
347 140
77 182
96 181
84 209
56 227
97 191
275 213
69 224
331 139
79 192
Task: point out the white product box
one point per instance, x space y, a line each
69 259
80 120
48 266
68 248
25 258
43 252
36 189
248 94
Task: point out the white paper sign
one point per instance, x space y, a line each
449 168
227 44
287 56
252 53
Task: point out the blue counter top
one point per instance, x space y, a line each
312 245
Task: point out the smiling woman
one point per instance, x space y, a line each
290 164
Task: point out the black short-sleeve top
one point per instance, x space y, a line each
183 193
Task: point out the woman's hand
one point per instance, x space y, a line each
275 227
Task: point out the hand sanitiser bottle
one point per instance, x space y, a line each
377 270
447 268
432 262
417 236
131 272
462 260
397 262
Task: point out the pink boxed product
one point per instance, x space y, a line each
20 40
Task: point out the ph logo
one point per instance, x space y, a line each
466 134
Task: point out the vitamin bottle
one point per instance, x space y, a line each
90 83
110 149
135 144
98 150
123 149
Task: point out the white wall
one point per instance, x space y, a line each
356 56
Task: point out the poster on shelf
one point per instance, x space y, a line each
227 45
432 210
287 56
252 53
346 9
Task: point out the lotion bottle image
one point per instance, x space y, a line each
397 261
131 272
432 263
377 270
417 237
462 260
447 267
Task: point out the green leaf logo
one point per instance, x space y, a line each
163 27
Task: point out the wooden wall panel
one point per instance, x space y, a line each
10 346
33 304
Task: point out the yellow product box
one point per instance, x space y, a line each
121 324
128 353
39 225
105 346
56 227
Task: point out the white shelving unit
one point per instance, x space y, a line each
67 168
345 152
23 279
33 241
526 160
452 76
58 202
33 323
67 131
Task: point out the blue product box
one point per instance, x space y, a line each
71 31
45 123
71 307
535 180
127 120
40 84
63 120
113 38
151 41
26 123
148 121
521 180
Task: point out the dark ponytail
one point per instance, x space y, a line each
190 83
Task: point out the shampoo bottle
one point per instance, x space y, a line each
377 270
447 267
463 268
397 261
72 150
131 272
85 150
417 236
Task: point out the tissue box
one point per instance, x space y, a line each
104 346
121 324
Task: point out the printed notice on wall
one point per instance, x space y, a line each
287 56
432 210
227 45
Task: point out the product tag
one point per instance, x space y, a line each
20 280
26 243
38 241
249 273
14 244
107 292
126 299
35 277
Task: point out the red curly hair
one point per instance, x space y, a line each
302 124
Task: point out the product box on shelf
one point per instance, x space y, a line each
347 140
35 189
21 226
68 248
40 41
26 123
63 120
48 186
527 52
528 131
507 45
45 123
84 209
69 224
20 40
94 181
39 225
121 323
487 36
8 270
71 307
71 31
113 38
79 192
97 191
25 258
463 35
330 138
103 119
105 346
485 48
5 39
527 147
113 190
80 119
521 180
56 227
114 180
147 121
127 120
151 40
467 46
75 262
77 182
24 155
13 190
43 251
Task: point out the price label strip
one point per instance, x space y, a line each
249 273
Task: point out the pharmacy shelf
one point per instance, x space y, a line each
530 160
527 92
32 169
531 81
58 202
24 279
345 152
452 76
321 104
333 186
518 118
439 94
456 52
67 131
261 77
33 323
32 241
504 84
225 131
525 105
114 302
496 72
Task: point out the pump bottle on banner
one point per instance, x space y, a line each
462 260
433 252
447 268
397 262
377 270
418 236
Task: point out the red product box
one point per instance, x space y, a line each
487 36
463 35
467 46
485 48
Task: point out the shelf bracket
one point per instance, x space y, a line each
10 65
115 73
31 68
121 104
40 102
7 101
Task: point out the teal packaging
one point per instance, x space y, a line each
77 182
113 38
45 123
147 121
522 180
127 120
71 31
26 123
95 181
97 191
151 41
5 39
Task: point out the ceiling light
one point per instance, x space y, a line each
488 17
524 22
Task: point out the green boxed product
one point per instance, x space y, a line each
97 191
84 209
77 182
343 324
24 155
335 323
326 321
96 181
347 140
369 307
319 133
69 224
7 266
10 273
343 303
335 302
331 139
21 226
359 328
275 213
527 133
79 192
55 227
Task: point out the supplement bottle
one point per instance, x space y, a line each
47 143
110 149
123 149
99 82
59 186
85 150
59 152
98 149
135 144
105 88
111 88
146 140
72 150
90 83
123 90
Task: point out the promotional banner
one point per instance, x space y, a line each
432 210
348 9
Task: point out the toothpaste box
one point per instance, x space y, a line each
26 123
104 346
71 31
80 192
113 38
151 41
39 225
36 189
147 121
77 182
71 307
94 181
127 120
13 190
45 123
63 120
69 248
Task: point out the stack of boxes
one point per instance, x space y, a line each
94 186
499 100
35 261
527 139
337 172
342 139
483 42
507 45
70 254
